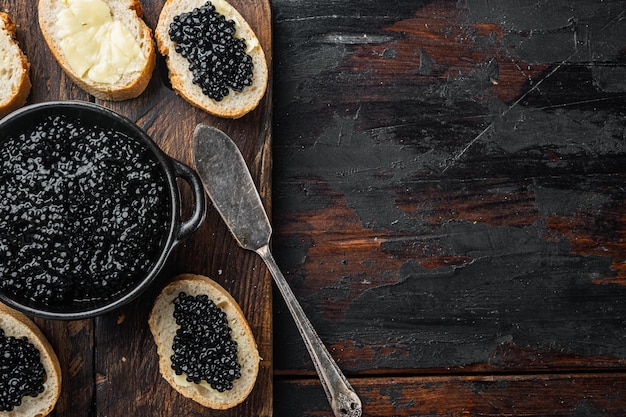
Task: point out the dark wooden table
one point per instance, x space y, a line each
448 199
450 204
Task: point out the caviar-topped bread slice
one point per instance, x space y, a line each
206 349
104 46
14 68
30 375
214 58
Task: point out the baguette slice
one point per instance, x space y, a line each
18 325
163 327
126 12
14 67
236 103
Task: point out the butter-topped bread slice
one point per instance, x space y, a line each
14 67
104 46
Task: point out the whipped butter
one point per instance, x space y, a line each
223 8
95 45
182 381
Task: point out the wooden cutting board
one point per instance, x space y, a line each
109 364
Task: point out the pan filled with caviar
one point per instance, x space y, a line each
89 209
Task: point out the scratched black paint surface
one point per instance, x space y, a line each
486 183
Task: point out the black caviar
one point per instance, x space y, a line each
203 346
21 371
217 59
83 212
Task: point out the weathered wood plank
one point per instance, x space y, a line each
461 396
449 187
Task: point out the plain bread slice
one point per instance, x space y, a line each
14 68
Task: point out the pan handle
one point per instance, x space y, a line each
198 214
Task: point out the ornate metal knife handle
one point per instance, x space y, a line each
342 397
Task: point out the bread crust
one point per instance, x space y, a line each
120 9
237 103
19 94
163 328
17 324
